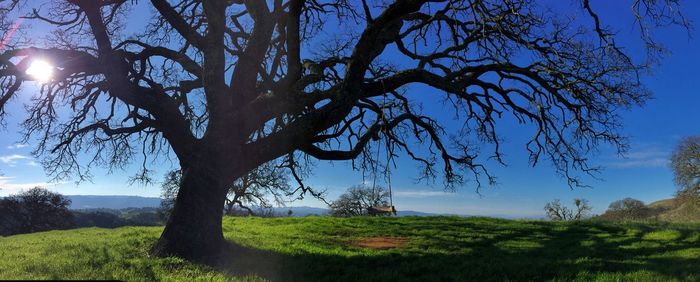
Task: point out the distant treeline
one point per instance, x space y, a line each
38 209
685 207
112 218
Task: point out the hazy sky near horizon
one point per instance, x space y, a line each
522 191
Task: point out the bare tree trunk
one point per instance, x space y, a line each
193 230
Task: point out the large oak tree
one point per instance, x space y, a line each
226 86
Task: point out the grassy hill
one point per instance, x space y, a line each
663 204
670 211
373 249
686 212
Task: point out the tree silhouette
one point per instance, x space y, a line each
556 211
357 199
226 86
628 209
34 210
262 187
685 163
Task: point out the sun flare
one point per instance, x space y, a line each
40 70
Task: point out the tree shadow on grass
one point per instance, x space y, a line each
243 261
541 251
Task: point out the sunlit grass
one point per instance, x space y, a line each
663 235
323 248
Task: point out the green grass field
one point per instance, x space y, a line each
324 248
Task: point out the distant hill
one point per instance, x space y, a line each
669 210
301 211
305 211
112 202
665 203
115 203
416 213
685 212
82 202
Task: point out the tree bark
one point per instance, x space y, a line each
193 231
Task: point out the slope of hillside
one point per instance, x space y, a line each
378 249
664 204
686 212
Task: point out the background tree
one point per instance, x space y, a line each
222 86
34 210
685 163
627 209
556 211
627 205
356 200
261 188
169 188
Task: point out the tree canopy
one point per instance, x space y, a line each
629 209
358 199
34 210
125 92
685 163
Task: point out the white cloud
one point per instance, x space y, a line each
12 159
648 163
649 157
7 186
17 146
420 194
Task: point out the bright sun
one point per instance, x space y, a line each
40 70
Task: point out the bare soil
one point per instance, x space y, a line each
381 242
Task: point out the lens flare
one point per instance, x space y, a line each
40 70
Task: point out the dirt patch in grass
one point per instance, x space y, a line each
381 242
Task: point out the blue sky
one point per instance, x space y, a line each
522 191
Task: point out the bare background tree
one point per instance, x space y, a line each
685 163
556 211
264 187
261 189
227 86
357 199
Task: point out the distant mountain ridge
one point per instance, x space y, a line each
670 212
117 202
112 202
301 211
